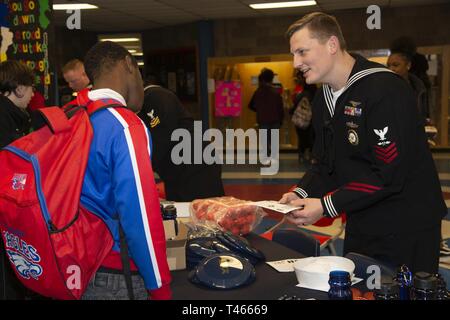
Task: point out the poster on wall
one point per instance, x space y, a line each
26 32
228 99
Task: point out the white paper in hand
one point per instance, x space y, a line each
275 206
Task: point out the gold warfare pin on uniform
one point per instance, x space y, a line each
353 137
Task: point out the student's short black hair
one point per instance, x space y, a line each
13 74
102 57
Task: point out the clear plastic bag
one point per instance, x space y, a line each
227 213
201 231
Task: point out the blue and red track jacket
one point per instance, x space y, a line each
119 186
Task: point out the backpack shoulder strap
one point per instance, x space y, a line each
55 118
90 106
97 105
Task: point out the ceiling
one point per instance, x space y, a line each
120 15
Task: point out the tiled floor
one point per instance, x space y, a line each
245 181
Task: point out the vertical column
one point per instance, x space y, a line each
205 50
445 96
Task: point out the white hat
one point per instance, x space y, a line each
314 272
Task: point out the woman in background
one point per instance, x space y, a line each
400 61
16 91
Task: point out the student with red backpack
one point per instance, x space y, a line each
80 211
119 182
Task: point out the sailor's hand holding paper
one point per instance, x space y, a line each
312 209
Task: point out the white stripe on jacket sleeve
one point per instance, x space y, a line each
141 199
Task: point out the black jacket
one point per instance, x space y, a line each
14 122
421 94
373 156
268 105
163 113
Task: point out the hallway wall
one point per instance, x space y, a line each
427 25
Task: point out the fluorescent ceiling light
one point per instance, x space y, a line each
74 6
140 63
131 51
138 54
120 39
276 5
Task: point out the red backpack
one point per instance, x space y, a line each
54 245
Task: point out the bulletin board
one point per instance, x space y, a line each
27 36
228 99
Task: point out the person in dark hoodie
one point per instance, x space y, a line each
268 105
16 91
372 159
